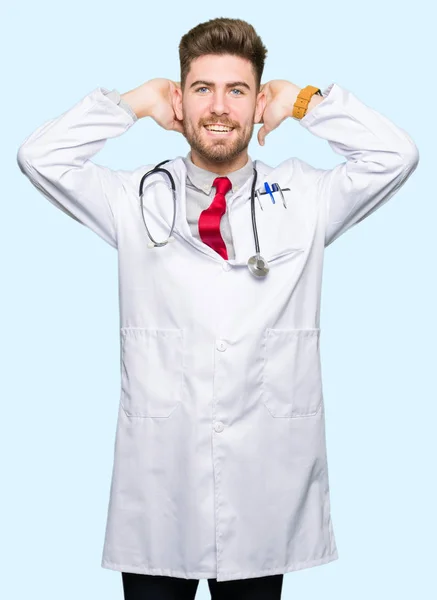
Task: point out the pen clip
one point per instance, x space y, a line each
269 191
277 188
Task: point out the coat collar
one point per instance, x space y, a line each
203 179
243 178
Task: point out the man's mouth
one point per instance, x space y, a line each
219 129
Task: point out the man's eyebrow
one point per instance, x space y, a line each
212 84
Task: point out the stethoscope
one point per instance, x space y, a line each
257 265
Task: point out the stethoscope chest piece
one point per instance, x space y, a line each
258 265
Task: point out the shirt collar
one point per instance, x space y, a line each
203 179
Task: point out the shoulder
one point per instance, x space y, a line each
292 167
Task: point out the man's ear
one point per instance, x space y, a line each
261 102
177 103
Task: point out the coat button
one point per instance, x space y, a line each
221 345
218 426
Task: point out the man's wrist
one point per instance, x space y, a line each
131 99
135 99
315 100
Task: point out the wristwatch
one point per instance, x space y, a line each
303 99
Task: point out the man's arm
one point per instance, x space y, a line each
380 157
56 158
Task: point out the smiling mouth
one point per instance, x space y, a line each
217 131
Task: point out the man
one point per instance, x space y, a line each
220 467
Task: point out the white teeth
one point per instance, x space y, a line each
218 128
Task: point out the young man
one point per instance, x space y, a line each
220 467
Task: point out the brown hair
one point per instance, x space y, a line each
222 36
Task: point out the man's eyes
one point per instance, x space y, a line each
233 90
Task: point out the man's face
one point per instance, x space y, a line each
219 89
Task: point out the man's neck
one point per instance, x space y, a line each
221 168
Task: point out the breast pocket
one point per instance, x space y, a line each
152 369
292 382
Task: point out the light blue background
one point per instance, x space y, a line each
60 350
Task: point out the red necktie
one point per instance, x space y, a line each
209 220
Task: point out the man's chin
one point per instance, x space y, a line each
218 157
214 152
219 151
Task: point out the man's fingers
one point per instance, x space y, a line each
262 134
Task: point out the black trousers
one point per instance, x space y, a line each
162 587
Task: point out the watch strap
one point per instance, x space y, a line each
300 107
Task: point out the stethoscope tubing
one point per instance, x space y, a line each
257 265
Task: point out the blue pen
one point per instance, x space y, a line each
269 191
277 188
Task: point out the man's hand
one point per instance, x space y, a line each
280 96
155 98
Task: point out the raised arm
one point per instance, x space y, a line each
380 157
56 157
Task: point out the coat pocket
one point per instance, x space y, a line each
292 381
152 371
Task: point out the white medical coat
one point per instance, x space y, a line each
220 466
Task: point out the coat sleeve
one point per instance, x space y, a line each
114 95
379 159
56 158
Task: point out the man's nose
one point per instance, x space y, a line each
219 104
